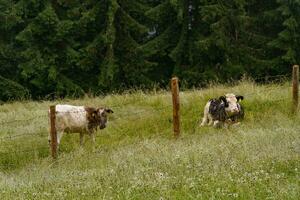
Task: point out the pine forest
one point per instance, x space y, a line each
67 48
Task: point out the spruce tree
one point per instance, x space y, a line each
167 38
123 64
72 47
10 23
285 45
219 44
46 52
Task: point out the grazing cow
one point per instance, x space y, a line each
79 119
225 109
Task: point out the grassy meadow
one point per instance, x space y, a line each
136 156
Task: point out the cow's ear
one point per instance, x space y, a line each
239 97
223 98
94 114
108 110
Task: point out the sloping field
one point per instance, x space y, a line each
136 156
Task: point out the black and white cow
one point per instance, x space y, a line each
226 109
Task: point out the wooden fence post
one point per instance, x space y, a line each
295 88
53 132
176 106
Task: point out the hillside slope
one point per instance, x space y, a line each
136 156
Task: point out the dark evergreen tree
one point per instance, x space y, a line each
72 47
67 48
8 21
124 64
219 45
171 42
47 51
258 32
9 54
285 45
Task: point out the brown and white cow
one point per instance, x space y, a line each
79 119
225 109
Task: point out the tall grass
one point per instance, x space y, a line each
136 156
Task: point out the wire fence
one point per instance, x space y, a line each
138 114
25 151
10 137
269 78
22 120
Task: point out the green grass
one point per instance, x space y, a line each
136 156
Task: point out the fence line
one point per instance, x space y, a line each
23 151
46 115
119 105
145 111
268 77
120 116
20 135
122 104
22 120
135 103
136 116
10 137
255 93
7 165
126 115
114 126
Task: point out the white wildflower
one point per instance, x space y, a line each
235 195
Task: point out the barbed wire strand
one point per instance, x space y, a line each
121 105
23 151
120 117
11 137
268 77
33 118
22 120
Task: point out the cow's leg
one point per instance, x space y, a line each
93 137
59 136
236 124
205 118
81 139
217 124
226 125
49 139
210 120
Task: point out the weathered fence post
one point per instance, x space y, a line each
53 132
176 106
295 88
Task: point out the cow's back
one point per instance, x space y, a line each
217 110
71 118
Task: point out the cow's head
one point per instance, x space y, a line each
97 116
231 103
102 114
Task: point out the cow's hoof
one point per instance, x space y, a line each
236 124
